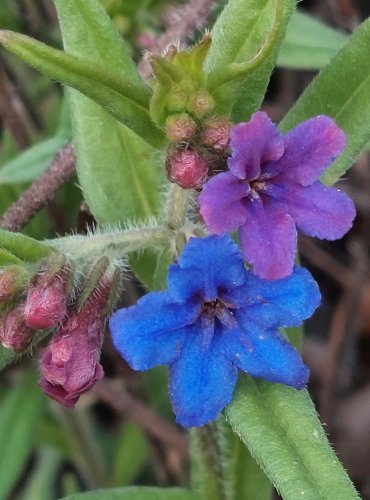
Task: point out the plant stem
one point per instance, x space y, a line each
114 243
177 204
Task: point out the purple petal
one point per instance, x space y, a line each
193 276
202 381
221 204
268 240
151 333
252 144
309 150
320 211
265 354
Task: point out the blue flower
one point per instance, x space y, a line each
215 318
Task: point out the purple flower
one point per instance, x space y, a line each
272 188
70 365
214 319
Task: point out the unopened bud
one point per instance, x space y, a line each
180 128
46 303
216 134
187 168
201 103
14 333
12 279
70 365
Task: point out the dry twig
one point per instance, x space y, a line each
41 191
120 400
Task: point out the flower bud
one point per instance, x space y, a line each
187 168
12 279
70 365
46 303
180 128
216 134
200 103
14 333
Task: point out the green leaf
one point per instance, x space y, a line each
19 413
283 433
136 493
24 247
126 100
342 91
117 170
245 41
309 43
131 454
31 162
42 482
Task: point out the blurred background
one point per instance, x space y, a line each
122 432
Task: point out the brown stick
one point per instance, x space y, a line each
181 22
124 403
41 191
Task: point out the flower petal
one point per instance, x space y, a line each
151 332
268 240
320 211
264 353
202 381
205 266
284 302
309 150
221 204
252 144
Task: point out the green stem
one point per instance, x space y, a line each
177 204
206 466
114 243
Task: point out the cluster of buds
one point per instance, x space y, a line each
184 106
70 363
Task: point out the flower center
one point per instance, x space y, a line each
218 309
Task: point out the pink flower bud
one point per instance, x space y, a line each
216 134
46 303
180 128
187 168
11 280
14 333
200 103
70 365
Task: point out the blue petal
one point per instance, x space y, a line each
264 353
284 302
206 266
150 333
202 381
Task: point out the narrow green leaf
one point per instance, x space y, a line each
283 433
19 414
309 43
31 162
42 482
342 91
127 101
136 493
245 41
120 175
131 454
24 247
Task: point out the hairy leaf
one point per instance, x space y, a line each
136 493
342 91
245 41
309 43
282 431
